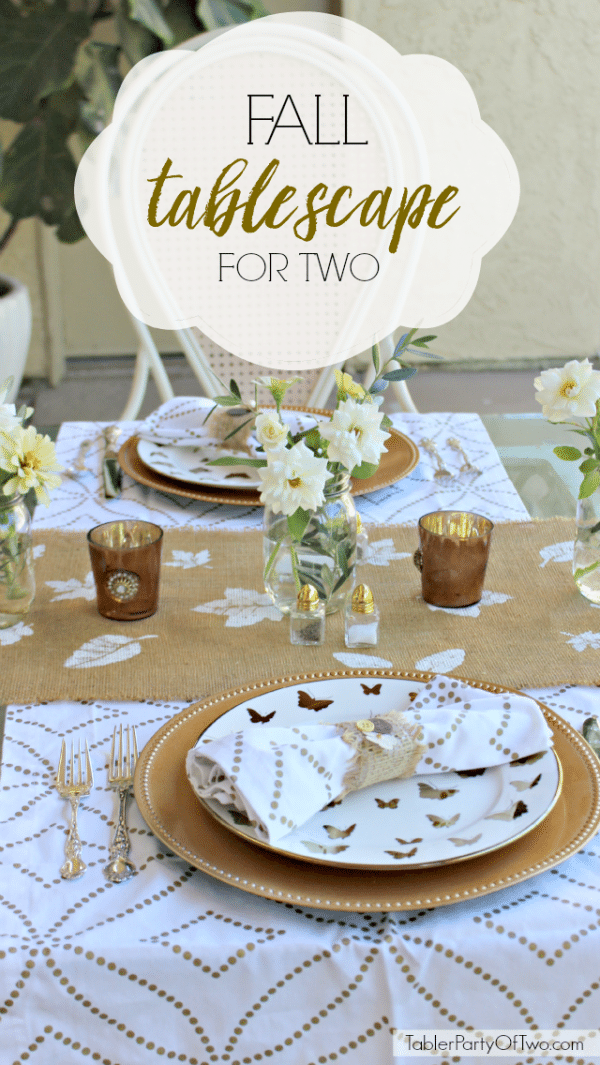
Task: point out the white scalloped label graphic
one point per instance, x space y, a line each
297 189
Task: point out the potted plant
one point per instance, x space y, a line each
59 82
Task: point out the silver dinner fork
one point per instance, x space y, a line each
121 767
467 466
441 471
79 465
71 785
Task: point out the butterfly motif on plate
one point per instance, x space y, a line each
391 804
403 854
408 842
470 772
516 810
463 842
427 792
257 718
308 701
529 759
339 833
438 822
524 785
375 690
321 848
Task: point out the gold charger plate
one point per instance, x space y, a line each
173 813
400 457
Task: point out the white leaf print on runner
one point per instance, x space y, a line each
355 661
442 661
105 651
562 552
487 599
189 560
382 552
580 641
14 634
73 589
39 550
242 606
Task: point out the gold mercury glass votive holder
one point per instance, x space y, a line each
453 557
125 558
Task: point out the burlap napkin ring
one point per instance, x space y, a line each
387 748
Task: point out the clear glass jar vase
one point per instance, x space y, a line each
17 582
324 557
586 549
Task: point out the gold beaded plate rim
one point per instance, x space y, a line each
487 794
398 460
172 812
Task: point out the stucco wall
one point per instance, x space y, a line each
534 66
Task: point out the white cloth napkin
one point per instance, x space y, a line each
279 777
179 421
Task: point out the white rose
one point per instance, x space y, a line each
570 390
270 431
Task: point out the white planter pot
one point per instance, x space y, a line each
15 331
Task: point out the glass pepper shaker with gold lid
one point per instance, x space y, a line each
307 618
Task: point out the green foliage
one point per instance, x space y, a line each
297 523
366 469
60 84
589 484
569 454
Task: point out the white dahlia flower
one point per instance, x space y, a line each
292 478
354 434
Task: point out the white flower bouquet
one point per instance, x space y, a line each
27 461
574 389
299 471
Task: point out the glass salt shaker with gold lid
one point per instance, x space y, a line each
307 618
362 618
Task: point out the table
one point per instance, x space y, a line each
176 966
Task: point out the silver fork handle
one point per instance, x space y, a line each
74 867
119 867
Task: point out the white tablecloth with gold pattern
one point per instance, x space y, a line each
176 966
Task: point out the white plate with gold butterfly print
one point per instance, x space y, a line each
423 821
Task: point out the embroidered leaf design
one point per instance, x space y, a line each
382 552
442 661
73 589
189 560
355 661
105 651
562 552
14 633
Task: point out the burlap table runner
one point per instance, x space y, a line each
216 629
